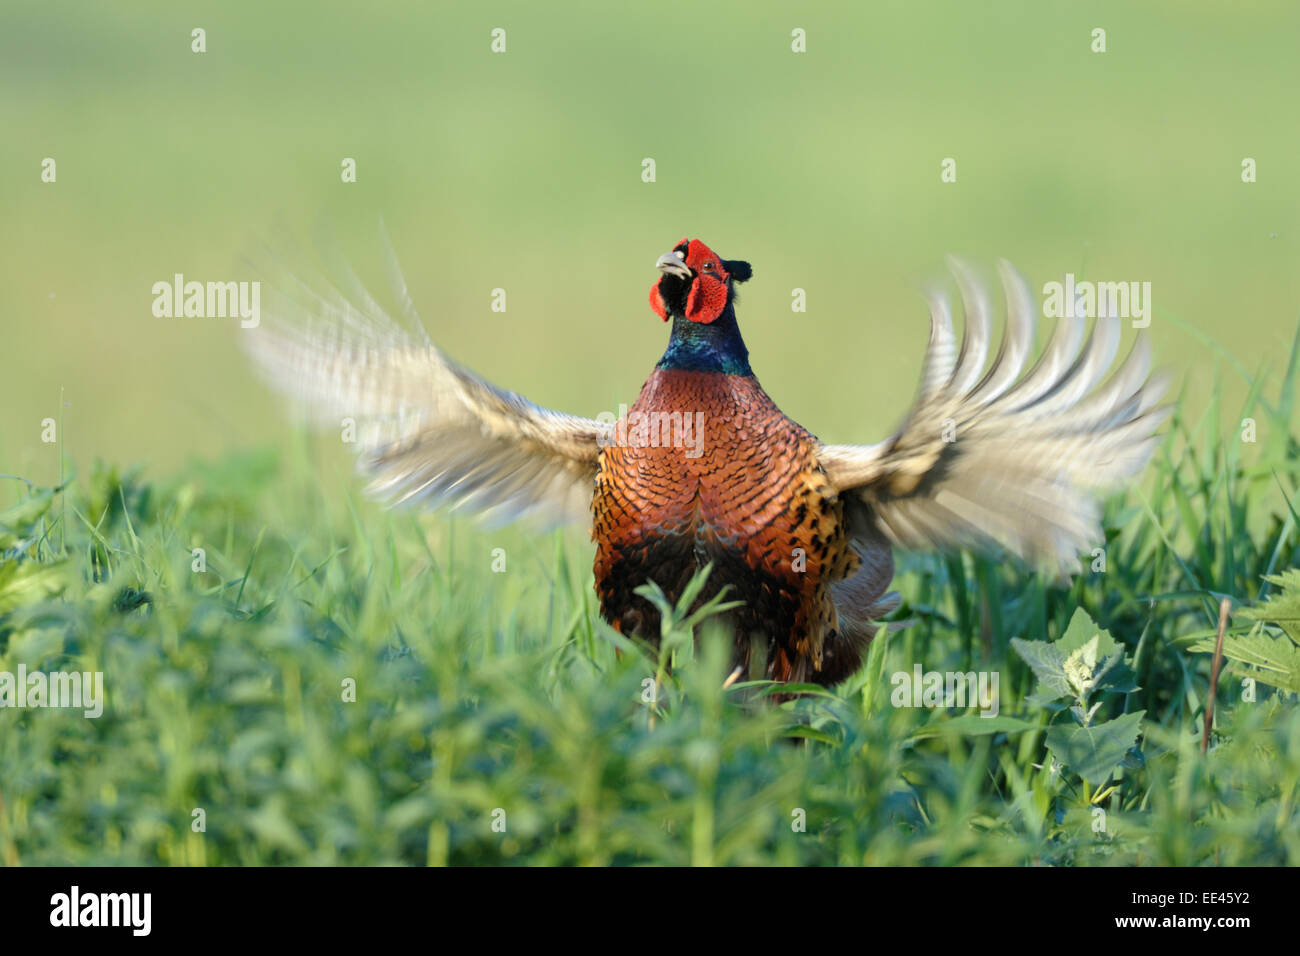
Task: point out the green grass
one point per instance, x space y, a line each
485 697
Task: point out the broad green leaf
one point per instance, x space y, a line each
1085 659
1083 629
1110 665
1048 664
1095 752
1277 658
1283 607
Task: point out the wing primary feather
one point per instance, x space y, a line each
941 355
1003 457
429 430
1017 339
977 333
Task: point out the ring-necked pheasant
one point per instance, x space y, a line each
705 467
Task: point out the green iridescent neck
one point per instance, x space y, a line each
715 347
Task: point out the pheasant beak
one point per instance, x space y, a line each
670 263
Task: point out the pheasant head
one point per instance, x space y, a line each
696 284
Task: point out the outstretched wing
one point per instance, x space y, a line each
995 457
428 430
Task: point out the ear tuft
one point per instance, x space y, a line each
738 270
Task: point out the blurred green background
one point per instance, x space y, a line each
522 170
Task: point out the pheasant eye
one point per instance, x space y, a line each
708 266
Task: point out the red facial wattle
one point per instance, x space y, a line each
707 299
657 302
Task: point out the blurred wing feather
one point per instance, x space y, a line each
429 431
1028 452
